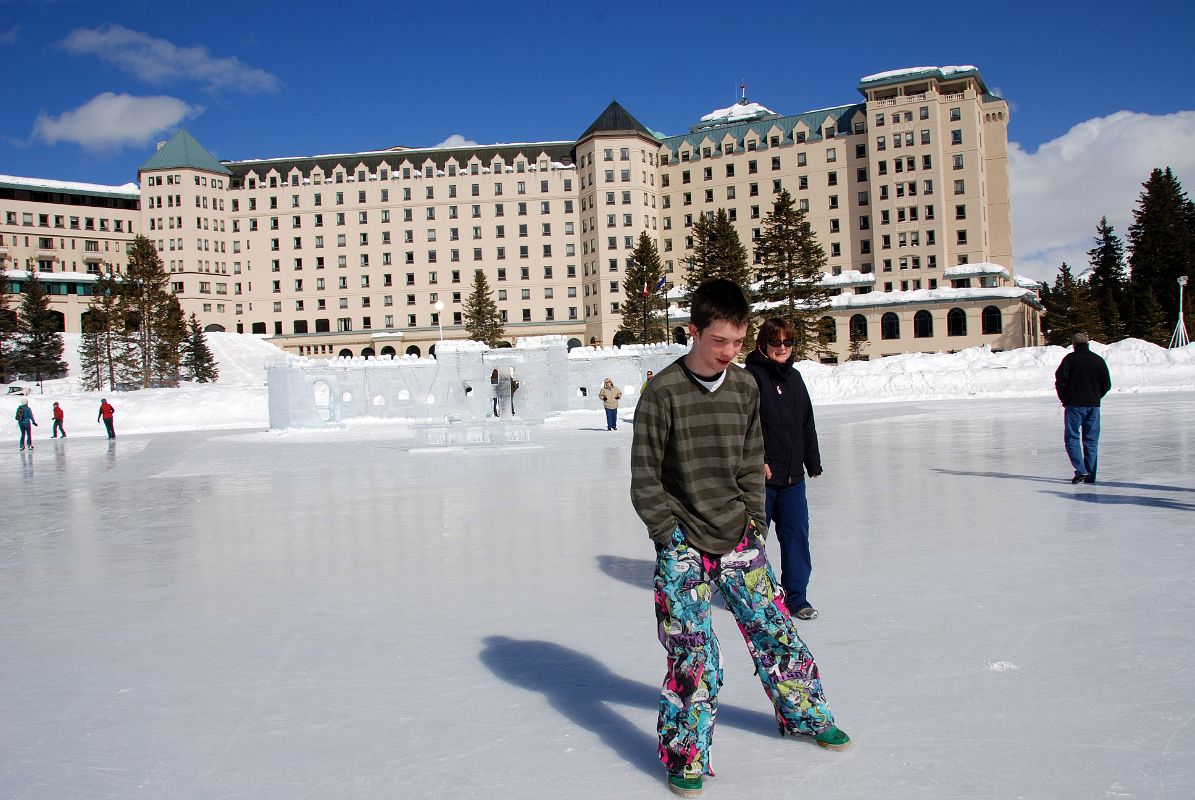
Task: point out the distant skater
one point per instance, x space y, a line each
58 417
106 412
25 422
1081 382
697 482
494 389
610 396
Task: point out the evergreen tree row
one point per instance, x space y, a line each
134 333
1139 299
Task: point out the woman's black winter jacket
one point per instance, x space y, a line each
786 414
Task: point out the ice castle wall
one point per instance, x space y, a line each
536 378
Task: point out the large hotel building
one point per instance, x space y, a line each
375 252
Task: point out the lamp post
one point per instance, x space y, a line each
439 306
1179 339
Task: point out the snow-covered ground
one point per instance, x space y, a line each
239 399
216 614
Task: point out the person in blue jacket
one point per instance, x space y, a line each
790 450
25 421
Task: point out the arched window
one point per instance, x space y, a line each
574 342
993 321
923 325
217 328
345 353
388 351
890 326
858 327
827 329
367 353
956 322
412 350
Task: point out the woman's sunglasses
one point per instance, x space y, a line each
780 342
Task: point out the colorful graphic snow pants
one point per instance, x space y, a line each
689 698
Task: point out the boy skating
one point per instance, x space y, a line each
697 483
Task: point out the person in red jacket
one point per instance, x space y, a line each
58 416
106 412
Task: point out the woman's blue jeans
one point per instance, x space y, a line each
789 509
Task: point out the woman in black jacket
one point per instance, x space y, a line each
790 450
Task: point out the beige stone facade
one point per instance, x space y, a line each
376 251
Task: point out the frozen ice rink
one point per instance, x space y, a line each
329 615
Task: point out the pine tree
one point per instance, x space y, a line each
8 327
169 338
482 320
857 345
111 343
142 301
643 304
1069 309
39 344
791 272
1162 246
1107 281
717 252
198 362
1145 318
91 367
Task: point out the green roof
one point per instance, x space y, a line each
615 118
183 151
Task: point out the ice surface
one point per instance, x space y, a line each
325 614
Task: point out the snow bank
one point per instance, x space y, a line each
239 399
1136 366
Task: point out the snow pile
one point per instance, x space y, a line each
736 113
1136 366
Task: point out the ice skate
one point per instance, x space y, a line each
833 738
684 787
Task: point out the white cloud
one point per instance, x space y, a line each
456 140
111 121
1096 168
160 61
9 36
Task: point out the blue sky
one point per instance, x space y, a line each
92 85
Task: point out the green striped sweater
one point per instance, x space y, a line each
697 458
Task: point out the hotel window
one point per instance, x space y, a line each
958 160
956 136
802 160
831 153
832 178
925 137
960 187
803 182
961 237
960 212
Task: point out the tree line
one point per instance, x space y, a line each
134 333
1118 298
788 277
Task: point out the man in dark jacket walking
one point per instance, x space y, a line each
1081 382
790 450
